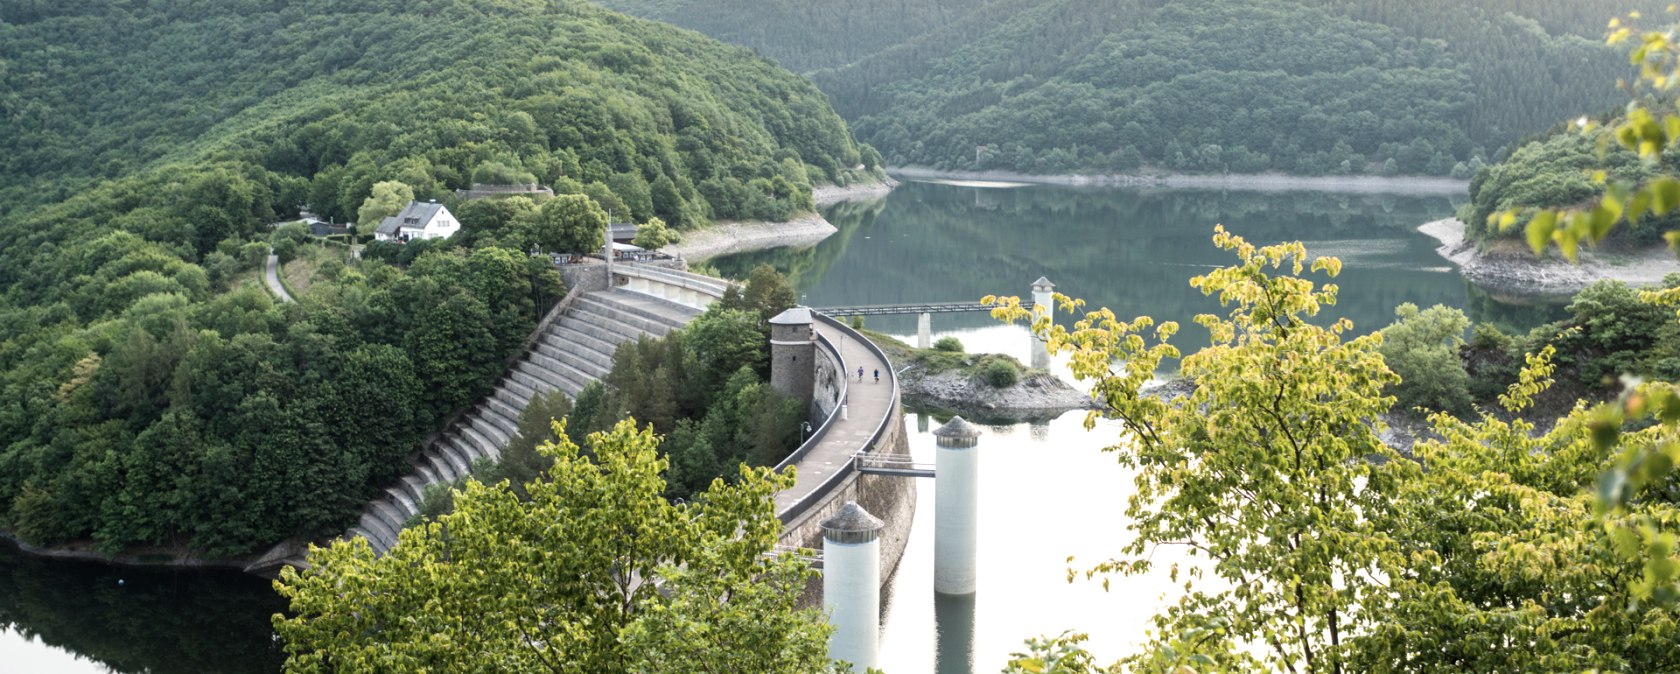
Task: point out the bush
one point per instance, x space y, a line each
857 322
1422 347
1001 373
949 345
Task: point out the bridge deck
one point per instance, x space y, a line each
869 403
893 309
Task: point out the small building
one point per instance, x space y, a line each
622 232
484 191
319 227
418 220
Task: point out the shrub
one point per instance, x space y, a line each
857 322
1001 373
949 345
1422 347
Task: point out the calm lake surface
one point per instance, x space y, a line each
1047 490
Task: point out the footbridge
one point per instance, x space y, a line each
924 314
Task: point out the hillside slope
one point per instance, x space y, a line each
152 394
1299 86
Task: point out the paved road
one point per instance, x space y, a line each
271 276
869 403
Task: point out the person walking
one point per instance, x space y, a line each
860 373
877 375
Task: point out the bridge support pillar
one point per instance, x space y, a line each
924 330
1044 304
852 585
956 502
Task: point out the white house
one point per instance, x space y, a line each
418 220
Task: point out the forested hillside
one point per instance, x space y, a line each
152 394
804 35
1298 86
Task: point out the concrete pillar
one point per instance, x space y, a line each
924 330
921 423
956 502
852 585
1044 304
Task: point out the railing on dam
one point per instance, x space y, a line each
821 492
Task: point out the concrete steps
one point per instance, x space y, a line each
574 350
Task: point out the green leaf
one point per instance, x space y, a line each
1540 230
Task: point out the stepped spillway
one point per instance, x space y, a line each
570 352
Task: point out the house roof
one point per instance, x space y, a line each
421 212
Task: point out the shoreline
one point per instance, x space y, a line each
828 195
727 237
1509 266
175 560
1254 182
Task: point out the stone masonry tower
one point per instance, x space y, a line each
793 355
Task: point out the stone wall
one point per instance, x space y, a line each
827 386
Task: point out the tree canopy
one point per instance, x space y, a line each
595 571
1316 547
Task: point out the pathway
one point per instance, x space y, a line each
271 276
869 403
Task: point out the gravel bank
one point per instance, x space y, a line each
723 238
824 195
1511 266
1261 182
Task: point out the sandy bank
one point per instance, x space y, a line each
1511 266
723 238
824 195
1260 182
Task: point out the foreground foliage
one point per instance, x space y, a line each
1318 548
595 572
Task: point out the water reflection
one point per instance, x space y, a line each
155 621
1127 249
953 618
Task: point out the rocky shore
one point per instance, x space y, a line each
1511 267
726 237
824 195
723 238
1259 182
1038 394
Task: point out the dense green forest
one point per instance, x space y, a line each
152 394
1555 170
1298 86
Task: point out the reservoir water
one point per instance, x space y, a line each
1048 491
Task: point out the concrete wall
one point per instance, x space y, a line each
827 386
892 499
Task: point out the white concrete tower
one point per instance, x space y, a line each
1044 304
956 503
924 330
852 585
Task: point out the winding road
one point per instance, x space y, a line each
271 276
